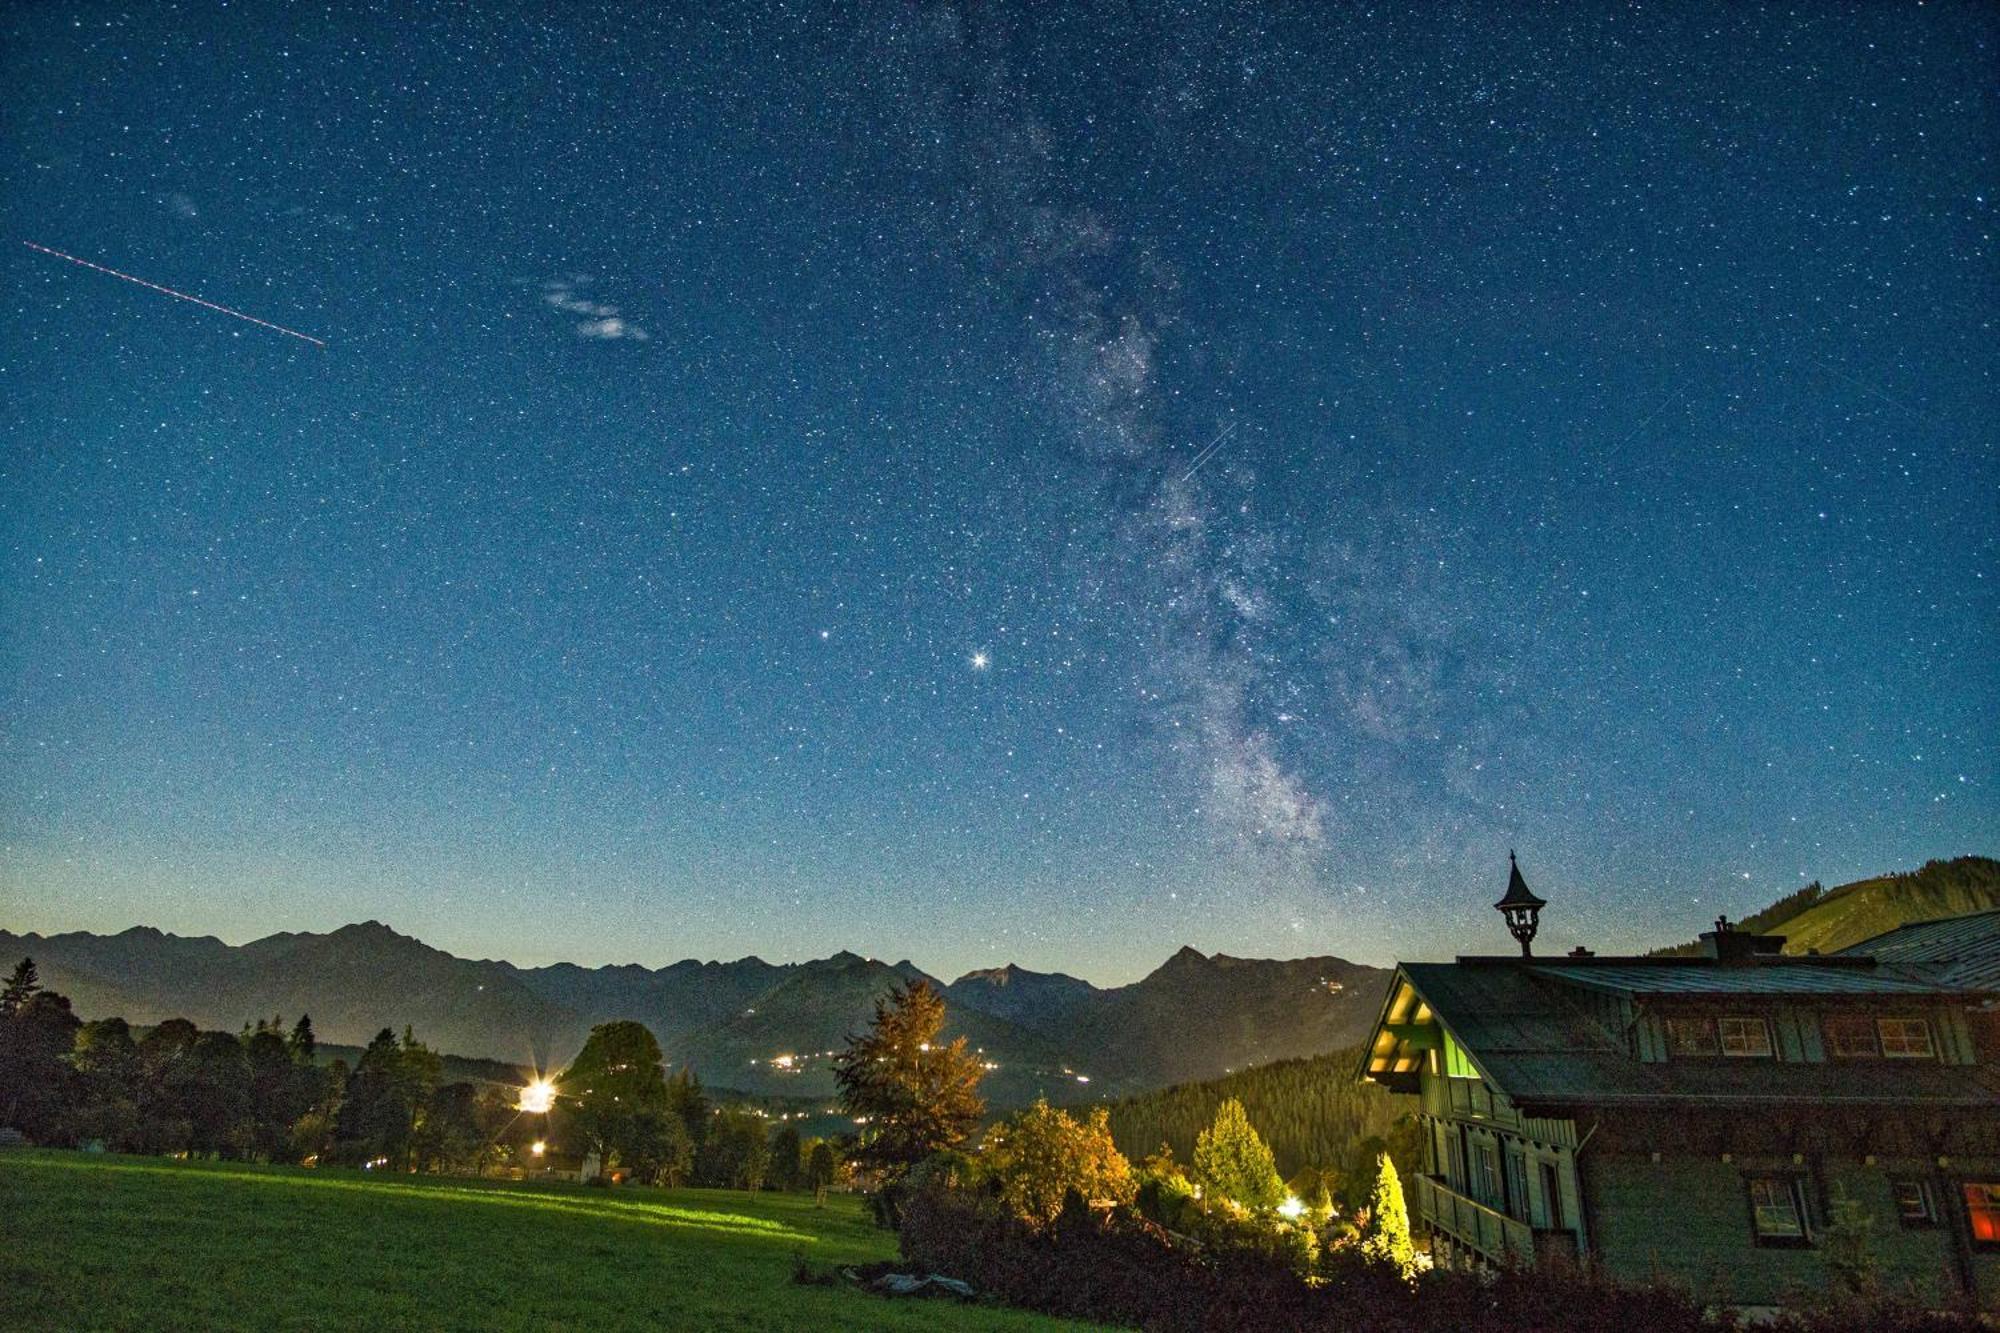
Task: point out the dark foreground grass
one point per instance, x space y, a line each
91 1242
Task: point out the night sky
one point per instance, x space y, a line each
993 484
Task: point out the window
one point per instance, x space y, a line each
1851 1036
1982 1210
1914 1204
1486 1175
1905 1038
1691 1036
1745 1036
1777 1210
1517 1182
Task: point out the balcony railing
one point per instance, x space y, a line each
1501 1238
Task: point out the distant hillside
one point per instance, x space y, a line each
1831 919
1313 1113
761 1027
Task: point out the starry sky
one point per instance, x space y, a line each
981 483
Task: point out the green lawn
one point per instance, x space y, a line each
92 1241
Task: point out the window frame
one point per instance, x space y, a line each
1832 1023
1930 1049
1702 1023
1770 1050
1990 1207
1794 1188
1925 1196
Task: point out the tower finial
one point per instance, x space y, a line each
1521 908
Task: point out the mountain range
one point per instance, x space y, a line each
758 1027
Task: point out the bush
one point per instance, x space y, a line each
1118 1267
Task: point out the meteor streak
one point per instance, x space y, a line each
180 296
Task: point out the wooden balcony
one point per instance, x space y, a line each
1502 1239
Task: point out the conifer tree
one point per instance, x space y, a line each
1233 1163
1387 1238
920 1095
22 984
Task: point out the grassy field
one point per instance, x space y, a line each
122 1242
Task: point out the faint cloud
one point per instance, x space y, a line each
596 319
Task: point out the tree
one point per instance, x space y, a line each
212 1087
273 1092
787 1168
107 1070
37 1085
1232 1163
378 1110
23 982
1041 1154
822 1165
919 1095
675 1152
450 1136
686 1100
615 1090
1386 1238
163 1117
303 1043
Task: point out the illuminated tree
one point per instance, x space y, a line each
1387 1236
1232 1162
1042 1154
919 1095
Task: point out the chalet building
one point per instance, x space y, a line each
1697 1119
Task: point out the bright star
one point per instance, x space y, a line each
980 661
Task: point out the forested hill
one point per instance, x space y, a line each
1313 1112
1828 919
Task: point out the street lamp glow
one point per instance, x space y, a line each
537 1098
538 1147
1291 1208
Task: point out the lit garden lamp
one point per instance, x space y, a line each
538 1098
1521 908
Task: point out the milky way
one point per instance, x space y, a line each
982 484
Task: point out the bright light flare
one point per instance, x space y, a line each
537 1098
538 1147
1291 1209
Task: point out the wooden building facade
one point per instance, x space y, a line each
1703 1120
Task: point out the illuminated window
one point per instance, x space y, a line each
1851 1036
1691 1036
1456 1063
1745 1036
1905 1038
1982 1210
1914 1204
1777 1210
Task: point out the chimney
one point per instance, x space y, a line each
1727 944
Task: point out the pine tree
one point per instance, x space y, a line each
918 1094
1233 1163
302 1041
1387 1238
24 982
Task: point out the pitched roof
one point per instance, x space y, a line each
1525 1030
1963 950
1759 976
